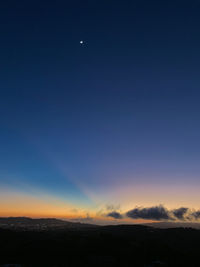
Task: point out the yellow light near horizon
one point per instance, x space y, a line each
18 204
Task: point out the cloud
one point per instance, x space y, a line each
112 207
74 210
180 213
110 210
153 213
115 215
156 213
196 214
86 219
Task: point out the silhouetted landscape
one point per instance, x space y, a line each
52 242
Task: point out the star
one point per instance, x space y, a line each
81 42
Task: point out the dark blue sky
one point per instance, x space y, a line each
121 109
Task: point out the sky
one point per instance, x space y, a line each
105 126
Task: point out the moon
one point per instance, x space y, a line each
81 41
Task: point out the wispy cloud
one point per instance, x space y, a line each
85 219
112 207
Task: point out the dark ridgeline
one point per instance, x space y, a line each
51 242
25 223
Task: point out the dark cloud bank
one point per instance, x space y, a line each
158 213
115 214
152 213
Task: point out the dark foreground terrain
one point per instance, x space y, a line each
28 242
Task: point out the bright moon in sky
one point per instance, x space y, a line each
81 42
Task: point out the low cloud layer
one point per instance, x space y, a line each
153 213
196 214
115 215
180 213
86 219
158 213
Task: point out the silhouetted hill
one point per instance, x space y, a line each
119 245
174 225
25 223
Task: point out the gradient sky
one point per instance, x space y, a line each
112 123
